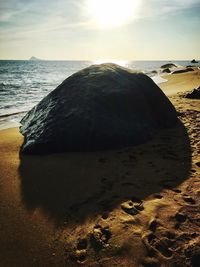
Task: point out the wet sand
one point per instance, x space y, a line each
137 206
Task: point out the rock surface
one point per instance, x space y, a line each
101 107
167 70
169 65
195 94
194 61
183 70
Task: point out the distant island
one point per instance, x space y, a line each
194 61
35 59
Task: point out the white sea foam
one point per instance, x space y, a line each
158 79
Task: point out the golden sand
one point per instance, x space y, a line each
182 82
131 207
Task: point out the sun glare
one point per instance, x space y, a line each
123 63
112 13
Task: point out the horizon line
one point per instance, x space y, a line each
39 59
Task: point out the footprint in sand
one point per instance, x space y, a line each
180 217
158 196
133 206
158 245
170 235
189 199
198 164
105 215
153 224
99 237
80 254
129 208
98 240
82 244
178 191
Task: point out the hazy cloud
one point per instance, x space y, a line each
25 21
23 14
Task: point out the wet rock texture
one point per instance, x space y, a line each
101 107
183 70
169 65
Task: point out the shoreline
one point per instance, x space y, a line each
171 85
180 83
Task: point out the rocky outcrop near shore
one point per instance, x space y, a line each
194 61
194 94
168 66
101 107
182 70
167 70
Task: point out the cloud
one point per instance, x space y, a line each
66 22
29 19
49 15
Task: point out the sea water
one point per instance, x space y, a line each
23 83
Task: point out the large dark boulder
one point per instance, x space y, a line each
101 107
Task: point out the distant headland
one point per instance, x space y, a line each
35 58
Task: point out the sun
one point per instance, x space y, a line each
112 13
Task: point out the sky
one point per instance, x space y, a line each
100 30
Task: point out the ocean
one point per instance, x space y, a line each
23 83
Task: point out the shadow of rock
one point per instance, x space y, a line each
73 186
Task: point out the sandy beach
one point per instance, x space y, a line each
179 83
137 206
